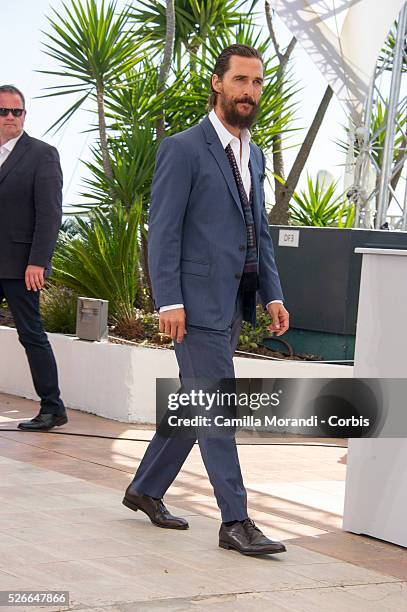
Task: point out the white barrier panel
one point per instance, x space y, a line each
376 478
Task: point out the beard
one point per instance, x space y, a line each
232 114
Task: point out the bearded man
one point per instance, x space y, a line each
210 254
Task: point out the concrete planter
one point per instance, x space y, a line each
118 381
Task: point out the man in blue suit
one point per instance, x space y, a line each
210 253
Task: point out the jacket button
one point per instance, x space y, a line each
242 247
238 276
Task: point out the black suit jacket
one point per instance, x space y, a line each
30 207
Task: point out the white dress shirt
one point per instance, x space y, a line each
7 148
240 148
241 151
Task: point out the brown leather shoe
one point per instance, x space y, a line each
154 508
247 539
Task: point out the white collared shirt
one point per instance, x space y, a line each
240 148
7 148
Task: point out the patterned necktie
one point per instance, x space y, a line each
250 272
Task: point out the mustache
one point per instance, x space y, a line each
246 100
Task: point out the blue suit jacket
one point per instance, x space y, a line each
197 232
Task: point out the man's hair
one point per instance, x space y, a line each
223 62
13 90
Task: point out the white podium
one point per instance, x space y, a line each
376 478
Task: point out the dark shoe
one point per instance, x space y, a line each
154 508
44 422
247 539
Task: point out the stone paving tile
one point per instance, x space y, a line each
20 519
87 548
285 529
318 519
349 547
389 597
217 559
90 513
393 566
300 494
359 598
340 574
10 581
23 553
7 539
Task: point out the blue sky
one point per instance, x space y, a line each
20 33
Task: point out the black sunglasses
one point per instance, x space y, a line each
16 112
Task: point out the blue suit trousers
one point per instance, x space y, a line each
205 353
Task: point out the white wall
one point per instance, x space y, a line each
118 381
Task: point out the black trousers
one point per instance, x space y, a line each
25 308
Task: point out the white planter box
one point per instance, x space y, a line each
118 381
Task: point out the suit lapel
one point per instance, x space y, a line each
256 187
15 156
215 147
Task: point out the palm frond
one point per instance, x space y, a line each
320 206
93 45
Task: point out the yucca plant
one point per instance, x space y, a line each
320 206
102 260
94 47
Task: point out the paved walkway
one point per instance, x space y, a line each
62 526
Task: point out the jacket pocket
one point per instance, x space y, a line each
22 237
194 267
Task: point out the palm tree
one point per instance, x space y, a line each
167 59
195 22
94 48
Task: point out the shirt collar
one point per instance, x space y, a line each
10 144
225 136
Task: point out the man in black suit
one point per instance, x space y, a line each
30 218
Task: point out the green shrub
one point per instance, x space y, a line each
251 338
58 309
320 206
101 261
